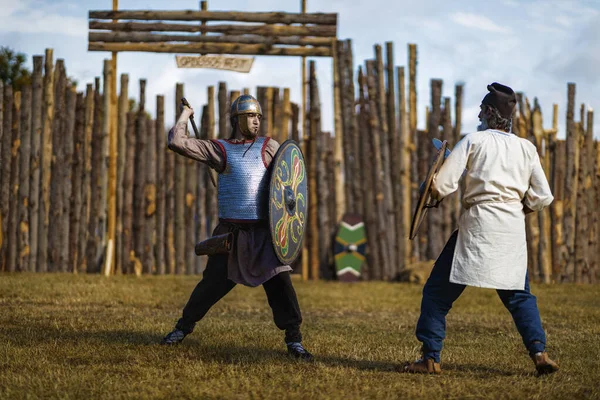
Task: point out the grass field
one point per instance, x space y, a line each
64 336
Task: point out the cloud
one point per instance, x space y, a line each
26 17
480 22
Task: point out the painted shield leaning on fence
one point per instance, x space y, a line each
241 249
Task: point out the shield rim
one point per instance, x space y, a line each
286 260
420 210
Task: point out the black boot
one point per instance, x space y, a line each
174 337
296 350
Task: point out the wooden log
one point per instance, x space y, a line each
352 130
315 128
1 163
170 210
57 164
5 165
384 142
223 110
581 217
161 150
122 142
395 164
435 220
46 160
128 253
139 182
379 271
340 201
267 108
286 115
597 206
201 196
234 94
36 143
191 191
148 37
180 172
570 186
589 274
412 124
214 48
295 132
406 149
446 208
364 176
67 178
331 204
346 124
276 115
323 202
107 194
86 186
13 214
544 252
556 208
148 257
458 101
261 97
192 15
211 192
75 215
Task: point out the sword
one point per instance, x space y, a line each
185 103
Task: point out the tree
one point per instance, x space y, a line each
12 69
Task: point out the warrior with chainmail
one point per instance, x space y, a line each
242 163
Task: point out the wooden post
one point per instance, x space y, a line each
295 132
113 148
76 200
13 214
581 218
161 149
338 155
571 185
67 177
544 253
223 108
36 143
191 191
435 220
24 173
121 162
57 182
128 253
5 174
149 260
315 127
46 159
405 152
170 208
267 108
379 271
201 195
304 146
323 198
589 274
412 125
458 100
395 164
1 179
276 115
139 184
180 170
211 191
446 210
284 129
86 185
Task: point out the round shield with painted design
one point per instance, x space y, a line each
288 201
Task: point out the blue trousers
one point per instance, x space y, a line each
439 294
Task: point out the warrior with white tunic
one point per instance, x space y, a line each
243 166
501 180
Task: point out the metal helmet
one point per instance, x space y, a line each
245 104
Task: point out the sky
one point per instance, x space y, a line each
534 46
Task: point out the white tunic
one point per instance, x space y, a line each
498 173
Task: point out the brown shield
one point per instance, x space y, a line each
425 199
